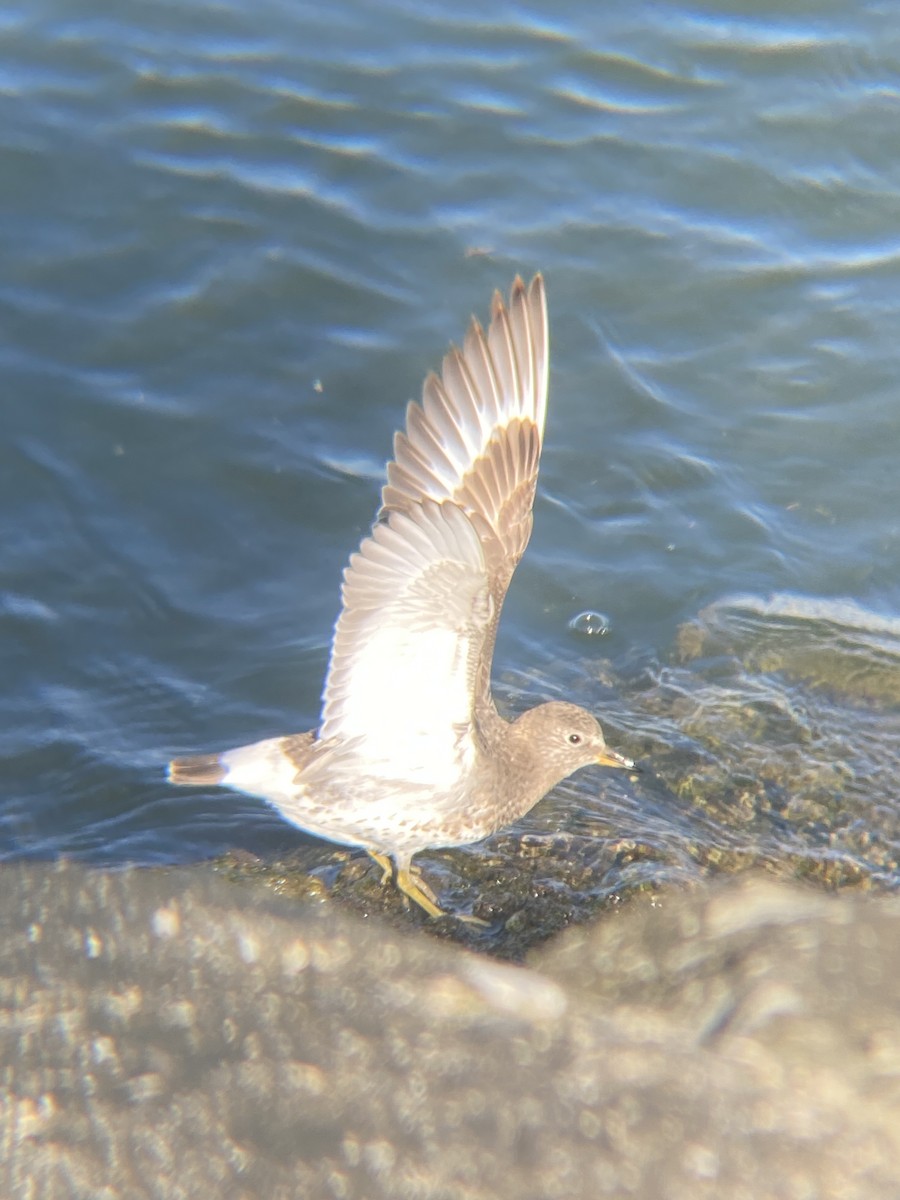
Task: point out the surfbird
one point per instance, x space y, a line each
411 751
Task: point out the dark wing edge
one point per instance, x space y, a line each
476 437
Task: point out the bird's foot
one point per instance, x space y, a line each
413 886
387 867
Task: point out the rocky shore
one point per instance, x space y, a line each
173 1034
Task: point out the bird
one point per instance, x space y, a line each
411 752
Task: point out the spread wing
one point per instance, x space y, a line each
476 438
408 643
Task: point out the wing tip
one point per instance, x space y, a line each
450 427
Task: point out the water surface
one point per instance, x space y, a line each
234 240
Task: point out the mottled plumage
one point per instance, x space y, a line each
411 751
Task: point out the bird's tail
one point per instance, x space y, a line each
199 770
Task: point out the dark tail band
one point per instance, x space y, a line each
196 771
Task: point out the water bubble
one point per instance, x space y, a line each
590 624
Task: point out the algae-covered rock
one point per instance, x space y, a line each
771 739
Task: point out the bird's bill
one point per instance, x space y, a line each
609 758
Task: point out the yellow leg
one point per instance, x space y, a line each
387 867
413 886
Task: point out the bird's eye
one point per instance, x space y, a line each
574 739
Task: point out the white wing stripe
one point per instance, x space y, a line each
407 644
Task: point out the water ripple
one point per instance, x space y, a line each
236 238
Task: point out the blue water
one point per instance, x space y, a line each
236 237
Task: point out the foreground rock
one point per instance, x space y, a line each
169 1035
